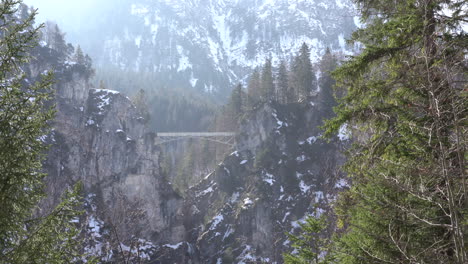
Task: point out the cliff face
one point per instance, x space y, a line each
100 139
280 174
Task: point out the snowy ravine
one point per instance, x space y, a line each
210 45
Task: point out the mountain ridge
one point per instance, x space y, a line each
210 46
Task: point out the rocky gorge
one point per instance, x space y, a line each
279 172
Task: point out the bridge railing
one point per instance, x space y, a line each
196 134
226 138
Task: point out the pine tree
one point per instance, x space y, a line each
406 101
267 82
282 84
24 119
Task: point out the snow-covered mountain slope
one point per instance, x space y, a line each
210 45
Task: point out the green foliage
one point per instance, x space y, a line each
267 84
326 97
170 108
303 80
22 122
282 84
405 97
309 247
140 101
228 256
25 113
287 86
52 238
233 111
254 89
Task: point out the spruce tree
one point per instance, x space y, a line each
253 89
233 110
310 246
140 100
303 79
282 84
406 102
267 82
236 101
24 119
326 82
59 43
79 56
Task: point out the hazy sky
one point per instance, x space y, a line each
69 14
74 17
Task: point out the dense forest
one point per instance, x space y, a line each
403 98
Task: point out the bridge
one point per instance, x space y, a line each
226 138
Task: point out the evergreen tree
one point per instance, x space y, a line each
326 98
79 56
309 247
235 101
282 84
267 82
59 43
140 102
24 117
84 62
406 101
303 80
233 111
253 89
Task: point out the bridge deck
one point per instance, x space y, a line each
196 134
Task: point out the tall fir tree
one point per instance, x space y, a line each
303 80
282 83
232 112
24 119
326 98
235 101
59 43
79 56
267 84
140 100
406 101
254 89
311 245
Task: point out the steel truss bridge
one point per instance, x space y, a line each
226 138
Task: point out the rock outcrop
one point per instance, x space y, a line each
100 139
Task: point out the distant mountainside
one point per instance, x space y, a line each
211 45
